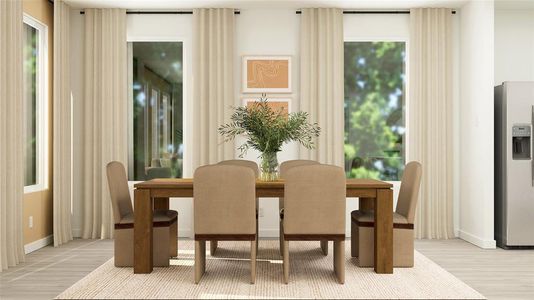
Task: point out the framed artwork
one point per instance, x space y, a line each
276 104
266 74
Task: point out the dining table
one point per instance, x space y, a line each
155 194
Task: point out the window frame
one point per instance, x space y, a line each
41 109
406 42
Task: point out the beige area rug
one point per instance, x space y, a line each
228 274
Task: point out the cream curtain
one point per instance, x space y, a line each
62 126
105 113
213 83
322 81
11 134
430 118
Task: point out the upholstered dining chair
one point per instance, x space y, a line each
362 224
224 210
254 166
165 223
284 167
314 209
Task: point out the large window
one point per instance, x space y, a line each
156 91
35 104
374 109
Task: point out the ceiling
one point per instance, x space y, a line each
514 4
243 4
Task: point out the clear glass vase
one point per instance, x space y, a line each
269 166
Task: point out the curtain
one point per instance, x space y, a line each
322 81
213 83
11 134
430 118
105 113
62 126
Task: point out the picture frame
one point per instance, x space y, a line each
266 74
275 103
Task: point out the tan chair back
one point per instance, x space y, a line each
314 200
224 200
243 163
409 191
118 189
286 165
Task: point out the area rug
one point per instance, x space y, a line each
228 276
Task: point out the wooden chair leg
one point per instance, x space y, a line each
286 262
281 237
339 260
213 247
253 247
324 247
200 260
173 241
354 236
257 234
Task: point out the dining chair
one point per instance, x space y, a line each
362 224
254 166
314 209
284 167
165 223
224 210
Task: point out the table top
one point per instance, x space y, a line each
187 183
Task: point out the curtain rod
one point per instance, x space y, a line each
163 12
373 12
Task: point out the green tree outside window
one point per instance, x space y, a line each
374 109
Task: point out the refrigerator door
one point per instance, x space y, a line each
520 177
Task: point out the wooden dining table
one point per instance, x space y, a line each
154 194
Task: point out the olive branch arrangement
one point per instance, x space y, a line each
267 130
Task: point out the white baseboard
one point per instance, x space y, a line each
477 241
185 233
76 233
36 245
275 232
269 232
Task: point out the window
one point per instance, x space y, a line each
35 105
374 109
156 117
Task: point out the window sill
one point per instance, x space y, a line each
35 188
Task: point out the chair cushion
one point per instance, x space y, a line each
161 218
369 217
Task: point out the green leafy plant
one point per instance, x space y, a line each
267 130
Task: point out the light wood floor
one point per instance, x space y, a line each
497 274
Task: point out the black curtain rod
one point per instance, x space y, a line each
373 12
163 12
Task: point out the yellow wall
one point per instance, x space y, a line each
39 204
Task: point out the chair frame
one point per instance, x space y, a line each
337 238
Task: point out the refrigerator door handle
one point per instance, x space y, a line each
532 146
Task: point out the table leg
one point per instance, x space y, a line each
384 231
143 256
161 203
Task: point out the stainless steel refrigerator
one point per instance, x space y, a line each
514 165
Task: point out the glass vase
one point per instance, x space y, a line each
269 166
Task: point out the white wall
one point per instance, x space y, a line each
514 45
178 28
268 32
278 34
476 123
258 32
376 28
139 28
